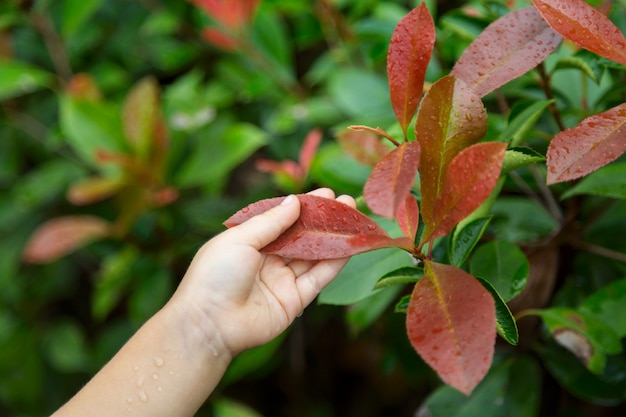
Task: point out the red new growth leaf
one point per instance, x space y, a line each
587 27
326 229
450 118
472 175
408 55
60 236
364 147
505 50
451 323
408 217
309 149
390 182
595 142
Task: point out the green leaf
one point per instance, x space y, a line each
357 279
115 275
90 127
511 388
465 239
152 288
253 360
402 306
520 220
504 265
67 348
224 407
586 336
519 157
18 78
334 168
575 62
607 304
76 13
218 154
362 314
400 276
608 181
505 322
523 121
140 115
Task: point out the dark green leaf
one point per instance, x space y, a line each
465 239
523 121
402 305
17 78
504 265
608 181
520 220
609 305
400 276
505 322
362 314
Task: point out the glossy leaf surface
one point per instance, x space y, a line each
326 229
608 181
390 182
408 217
465 239
607 304
472 176
596 141
505 50
60 236
449 309
505 322
584 25
450 118
400 276
408 55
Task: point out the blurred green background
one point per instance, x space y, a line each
137 126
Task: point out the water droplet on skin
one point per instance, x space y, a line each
129 400
213 350
159 388
143 396
140 381
135 368
158 361
155 376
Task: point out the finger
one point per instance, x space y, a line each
263 229
347 200
319 276
323 192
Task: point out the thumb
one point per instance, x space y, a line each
261 230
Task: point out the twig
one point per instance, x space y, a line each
54 45
600 250
545 85
548 197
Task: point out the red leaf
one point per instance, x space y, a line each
505 50
408 56
228 13
364 147
408 217
472 175
390 181
60 236
450 118
326 229
587 27
595 142
220 39
451 323
309 149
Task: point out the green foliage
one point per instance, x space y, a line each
133 114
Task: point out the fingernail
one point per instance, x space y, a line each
287 200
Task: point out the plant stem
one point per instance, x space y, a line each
54 45
545 85
548 197
600 250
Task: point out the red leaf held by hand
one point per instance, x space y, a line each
391 180
505 50
408 56
587 27
60 236
595 142
451 323
472 175
408 217
326 229
450 118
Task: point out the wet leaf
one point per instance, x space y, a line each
390 182
448 309
465 239
586 26
505 50
408 217
408 56
365 147
62 235
326 229
472 175
519 157
596 141
400 276
505 322
450 118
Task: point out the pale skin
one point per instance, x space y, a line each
233 297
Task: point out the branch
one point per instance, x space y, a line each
545 85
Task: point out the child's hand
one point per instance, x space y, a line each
250 297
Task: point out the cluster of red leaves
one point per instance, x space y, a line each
231 18
138 178
451 316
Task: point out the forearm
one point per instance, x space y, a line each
168 368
